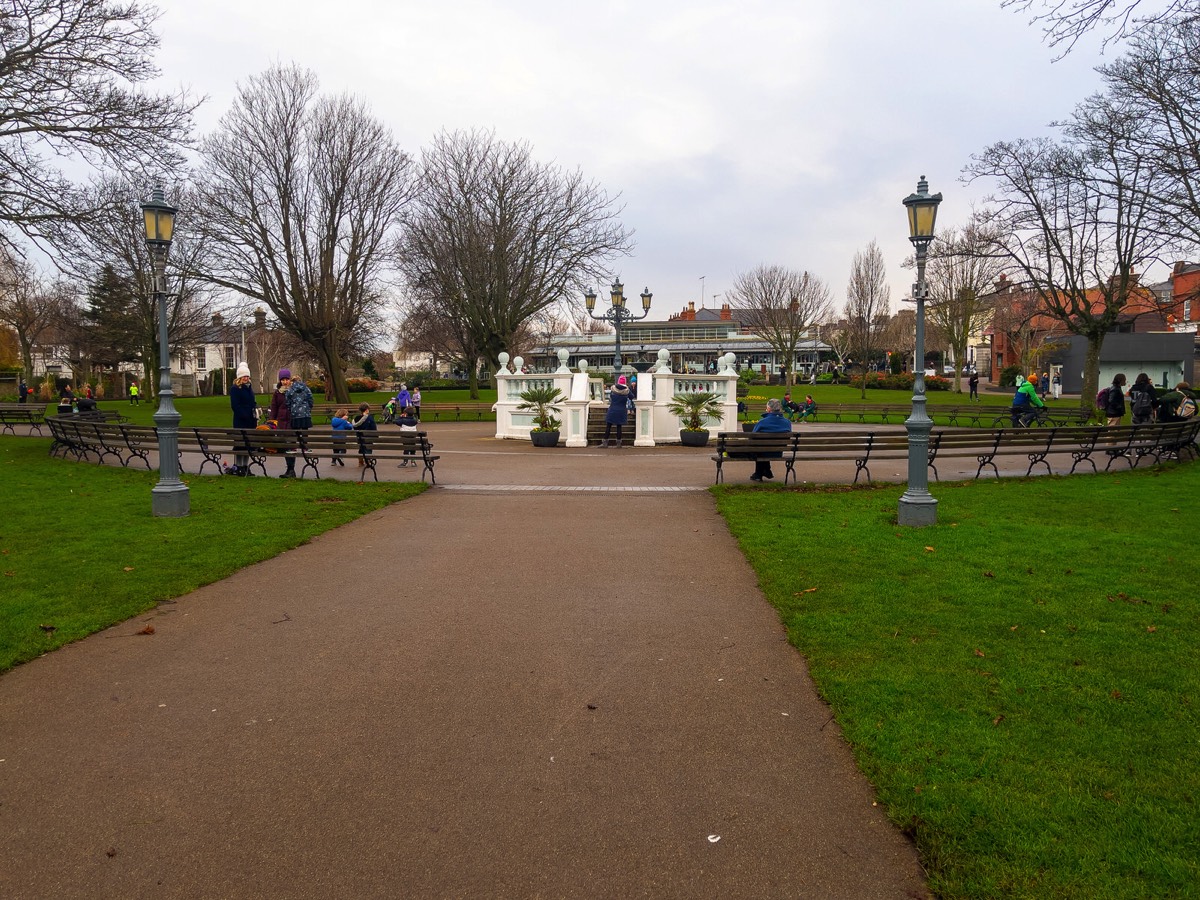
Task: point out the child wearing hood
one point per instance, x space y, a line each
340 422
618 411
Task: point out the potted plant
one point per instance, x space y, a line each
543 403
693 409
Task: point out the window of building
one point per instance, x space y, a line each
229 362
201 361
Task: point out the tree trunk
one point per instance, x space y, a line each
336 390
473 380
1091 374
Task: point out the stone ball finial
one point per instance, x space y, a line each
518 363
503 357
583 365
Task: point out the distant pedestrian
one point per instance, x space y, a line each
245 413
416 402
973 384
408 422
134 398
403 397
1143 400
1056 386
1044 385
364 422
340 422
1113 398
618 411
22 392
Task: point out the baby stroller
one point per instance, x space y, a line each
389 411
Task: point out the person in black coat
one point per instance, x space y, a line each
618 411
245 412
1114 401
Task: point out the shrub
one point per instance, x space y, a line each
1008 376
361 385
902 382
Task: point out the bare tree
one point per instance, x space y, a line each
781 305
494 237
110 245
28 304
960 271
1158 81
1018 316
70 88
867 300
1077 220
302 198
1064 22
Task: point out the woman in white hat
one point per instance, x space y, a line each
245 412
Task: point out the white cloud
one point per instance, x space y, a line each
765 131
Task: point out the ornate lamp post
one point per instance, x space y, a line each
617 315
917 505
170 496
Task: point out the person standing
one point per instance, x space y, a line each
1114 400
403 397
416 402
134 399
773 421
973 384
22 391
1142 399
340 422
282 416
299 400
618 411
1044 385
1056 386
245 413
364 422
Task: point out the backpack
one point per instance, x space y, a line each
1102 398
1143 403
1187 408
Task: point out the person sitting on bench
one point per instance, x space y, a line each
790 408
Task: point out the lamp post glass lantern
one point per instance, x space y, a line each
618 314
917 505
168 498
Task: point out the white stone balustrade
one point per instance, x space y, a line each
653 423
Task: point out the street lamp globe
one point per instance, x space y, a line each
922 213
618 294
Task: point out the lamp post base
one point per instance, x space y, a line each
917 509
170 501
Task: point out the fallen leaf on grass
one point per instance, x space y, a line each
149 629
48 628
929 550
128 569
11 574
805 591
1152 628
998 720
1014 628
979 652
988 575
1116 695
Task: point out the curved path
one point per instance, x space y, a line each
569 685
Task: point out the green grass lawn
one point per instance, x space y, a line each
1020 681
80 550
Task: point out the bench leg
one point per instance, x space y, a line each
368 466
429 468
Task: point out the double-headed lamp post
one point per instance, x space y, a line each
617 315
170 496
917 505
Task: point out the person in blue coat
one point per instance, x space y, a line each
772 421
245 412
618 411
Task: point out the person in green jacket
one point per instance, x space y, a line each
1026 403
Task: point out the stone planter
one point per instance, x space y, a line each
544 438
693 438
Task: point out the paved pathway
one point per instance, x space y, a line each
533 682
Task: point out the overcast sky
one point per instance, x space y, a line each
763 131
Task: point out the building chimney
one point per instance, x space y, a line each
217 320
260 317
726 312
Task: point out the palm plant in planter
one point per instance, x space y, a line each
543 403
693 409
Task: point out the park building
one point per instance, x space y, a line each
695 340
